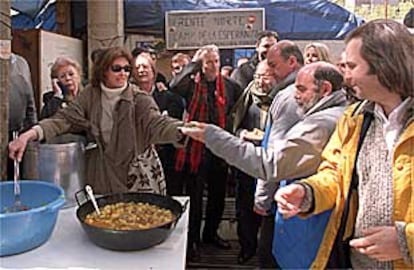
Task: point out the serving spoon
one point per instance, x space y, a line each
89 191
17 206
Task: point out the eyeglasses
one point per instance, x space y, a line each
259 76
118 68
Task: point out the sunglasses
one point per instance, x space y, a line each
118 68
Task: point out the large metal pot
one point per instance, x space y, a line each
60 161
129 239
25 230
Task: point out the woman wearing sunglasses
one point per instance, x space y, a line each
66 83
123 121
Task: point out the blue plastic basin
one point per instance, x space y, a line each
25 230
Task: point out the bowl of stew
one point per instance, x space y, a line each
129 221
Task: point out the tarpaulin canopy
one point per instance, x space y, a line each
292 19
29 8
34 14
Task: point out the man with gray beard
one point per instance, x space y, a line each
321 102
366 176
295 154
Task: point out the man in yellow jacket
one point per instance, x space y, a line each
380 219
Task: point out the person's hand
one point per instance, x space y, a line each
289 199
198 56
380 243
56 89
242 134
161 86
17 146
195 130
256 135
260 211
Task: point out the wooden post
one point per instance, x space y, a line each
5 52
63 19
105 25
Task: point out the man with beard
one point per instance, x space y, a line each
321 102
297 153
366 177
284 59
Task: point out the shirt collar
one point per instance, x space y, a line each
397 115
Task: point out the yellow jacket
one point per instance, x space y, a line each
331 183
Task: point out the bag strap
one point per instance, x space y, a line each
368 116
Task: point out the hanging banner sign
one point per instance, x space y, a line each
226 28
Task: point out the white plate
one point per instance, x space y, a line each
189 129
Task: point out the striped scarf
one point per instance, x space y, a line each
198 111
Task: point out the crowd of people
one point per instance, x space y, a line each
321 151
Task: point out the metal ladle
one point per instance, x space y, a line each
17 206
89 191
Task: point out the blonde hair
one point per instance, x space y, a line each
181 58
63 62
151 62
211 48
321 49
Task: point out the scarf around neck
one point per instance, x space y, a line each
198 111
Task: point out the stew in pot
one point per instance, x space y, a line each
130 216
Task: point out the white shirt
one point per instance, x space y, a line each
394 123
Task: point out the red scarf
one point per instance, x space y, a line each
198 111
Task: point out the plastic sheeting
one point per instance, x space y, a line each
292 19
34 14
29 8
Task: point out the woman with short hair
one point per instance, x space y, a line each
66 83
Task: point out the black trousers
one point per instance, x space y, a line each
212 173
175 185
248 222
266 259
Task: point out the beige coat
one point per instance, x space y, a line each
137 125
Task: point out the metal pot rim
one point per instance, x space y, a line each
54 146
173 222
